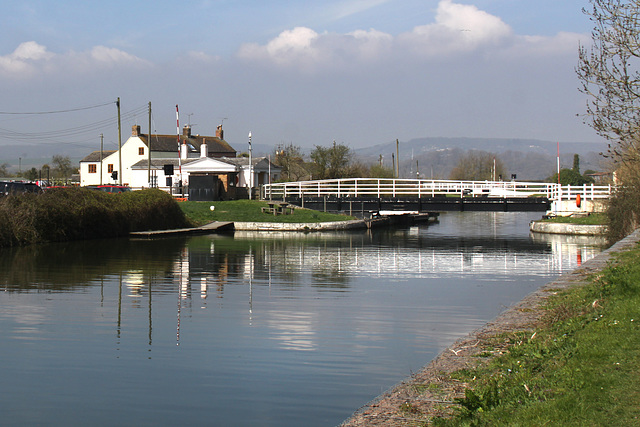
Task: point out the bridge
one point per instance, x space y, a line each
360 195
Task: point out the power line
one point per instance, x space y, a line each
57 111
89 128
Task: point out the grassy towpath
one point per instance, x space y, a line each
200 213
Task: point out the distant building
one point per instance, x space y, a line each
205 166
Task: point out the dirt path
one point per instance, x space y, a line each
431 392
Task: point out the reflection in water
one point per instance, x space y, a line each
270 329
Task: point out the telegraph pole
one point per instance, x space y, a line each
397 158
101 145
119 145
149 149
250 168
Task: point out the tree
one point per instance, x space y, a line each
609 75
478 166
4 167
570 177
291 161
31 174
61 166
331 162
379 171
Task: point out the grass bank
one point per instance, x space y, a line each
593 219
200 213
580 366
63 214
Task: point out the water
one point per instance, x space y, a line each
256 329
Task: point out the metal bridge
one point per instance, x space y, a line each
419 195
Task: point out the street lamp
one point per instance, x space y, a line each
250 168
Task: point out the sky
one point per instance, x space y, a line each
360 72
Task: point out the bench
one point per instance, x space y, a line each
278 208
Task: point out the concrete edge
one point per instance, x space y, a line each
313 226
566 228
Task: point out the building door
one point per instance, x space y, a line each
203 188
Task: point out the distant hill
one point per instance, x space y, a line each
529 159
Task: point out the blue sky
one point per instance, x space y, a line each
361 72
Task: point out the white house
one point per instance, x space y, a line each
204 166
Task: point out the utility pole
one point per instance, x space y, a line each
393 163
149 149
119 145
397 158
250 169
101 145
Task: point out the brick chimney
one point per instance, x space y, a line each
186 131
135 130
219 132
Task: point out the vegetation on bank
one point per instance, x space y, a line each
593 219
579 367
200 213
63 214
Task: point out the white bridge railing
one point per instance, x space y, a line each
382 187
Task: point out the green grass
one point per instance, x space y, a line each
200 213
593 219
580 368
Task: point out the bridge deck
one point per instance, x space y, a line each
423 204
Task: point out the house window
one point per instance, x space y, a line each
141 151
92 168
109 168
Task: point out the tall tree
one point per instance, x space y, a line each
4 169
291 161
61 166
331 162
610 76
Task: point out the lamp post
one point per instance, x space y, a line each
250 169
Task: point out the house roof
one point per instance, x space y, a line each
257 162
95 156
216 147
159 163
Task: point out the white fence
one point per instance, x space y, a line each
378 187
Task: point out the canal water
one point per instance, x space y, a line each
277 329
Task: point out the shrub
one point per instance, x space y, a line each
62 214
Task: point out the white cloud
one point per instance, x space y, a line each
304 48
457 28
31 58
22 61
112 56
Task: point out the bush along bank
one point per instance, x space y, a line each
63 214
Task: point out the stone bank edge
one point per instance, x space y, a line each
313 226
565 228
